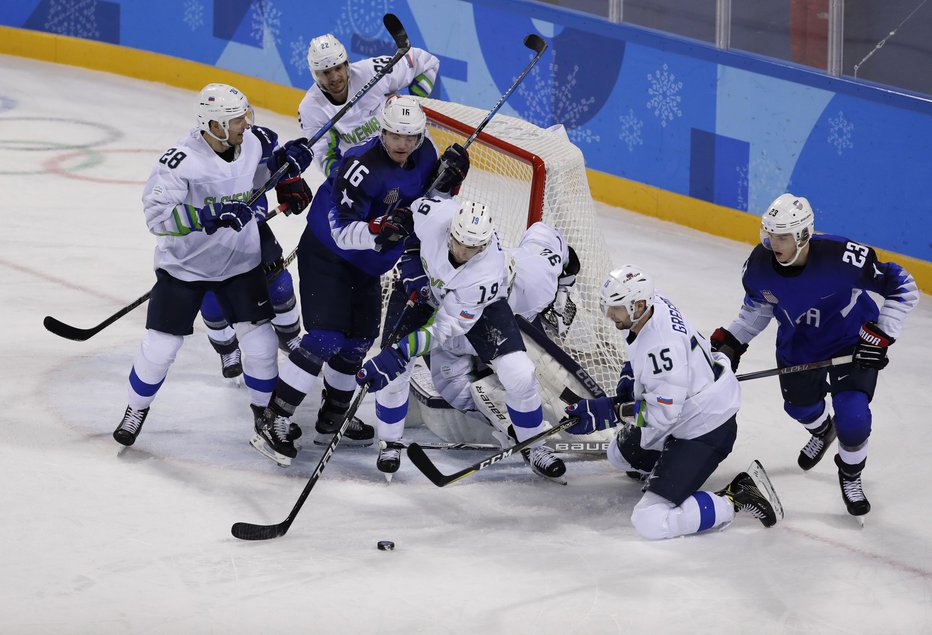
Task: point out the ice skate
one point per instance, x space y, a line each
389 458
329 419
849 479
130 426
272 438
818 443
231 364
752 492
544 463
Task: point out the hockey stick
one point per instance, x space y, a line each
250 531
400 36
536 44
428 469
441 445
798 368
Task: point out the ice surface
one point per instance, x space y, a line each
97 539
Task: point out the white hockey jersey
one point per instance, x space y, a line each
461 293
192 174
538 261
686 390
362 120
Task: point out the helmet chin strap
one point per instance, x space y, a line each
799 250
225 140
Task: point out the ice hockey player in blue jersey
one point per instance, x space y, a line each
685 405
356 227
208 242
816 287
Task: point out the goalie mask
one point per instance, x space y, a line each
325 52
403 116
221 103
788 215
625 287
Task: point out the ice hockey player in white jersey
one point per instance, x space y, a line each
686 399
194 202
468 275
335 79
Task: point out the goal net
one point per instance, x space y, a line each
528 174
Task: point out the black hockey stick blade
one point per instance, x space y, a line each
397 30
69 332
248 531
536 43
423 463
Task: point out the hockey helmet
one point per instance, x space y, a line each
221 103
625 287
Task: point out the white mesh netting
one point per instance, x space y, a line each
502 175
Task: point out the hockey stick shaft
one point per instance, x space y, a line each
428 469
249 531
538 45
798 368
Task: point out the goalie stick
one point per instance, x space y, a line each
438 478
399 35
536 44
250 531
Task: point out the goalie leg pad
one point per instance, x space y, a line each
156 354
450 373
488 395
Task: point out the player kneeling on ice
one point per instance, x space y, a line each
208 242
815 288
468 275
685 400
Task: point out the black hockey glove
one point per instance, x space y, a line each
392 228
452 169
570 270
871 349
294 194
723 341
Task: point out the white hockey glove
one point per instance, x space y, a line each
561 313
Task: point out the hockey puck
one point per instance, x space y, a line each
386 545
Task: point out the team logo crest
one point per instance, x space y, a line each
769 296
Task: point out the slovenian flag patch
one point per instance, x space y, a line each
466 314
665 401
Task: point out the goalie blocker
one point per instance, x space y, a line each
562 382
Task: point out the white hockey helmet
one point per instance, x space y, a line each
221 103
472 225
788 214
325 52
625 287
403 115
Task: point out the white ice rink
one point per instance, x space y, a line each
98 539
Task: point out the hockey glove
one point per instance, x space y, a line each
383 368
561 312
570 270
294 194
392 228
871 349
594 414
624 391
295 154
454 164
723 341
234 215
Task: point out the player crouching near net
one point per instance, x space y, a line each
468 274
686 399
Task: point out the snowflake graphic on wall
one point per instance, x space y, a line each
741 181
630 131
265 20
364 18
839 135
298 57
566 107
193 14
664 100
766 177
73 17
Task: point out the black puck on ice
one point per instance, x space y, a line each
386 545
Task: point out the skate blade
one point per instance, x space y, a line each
760 478
324 439
263 448
388 477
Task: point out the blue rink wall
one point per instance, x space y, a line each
669 127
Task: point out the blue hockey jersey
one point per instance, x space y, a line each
366 185
820 306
